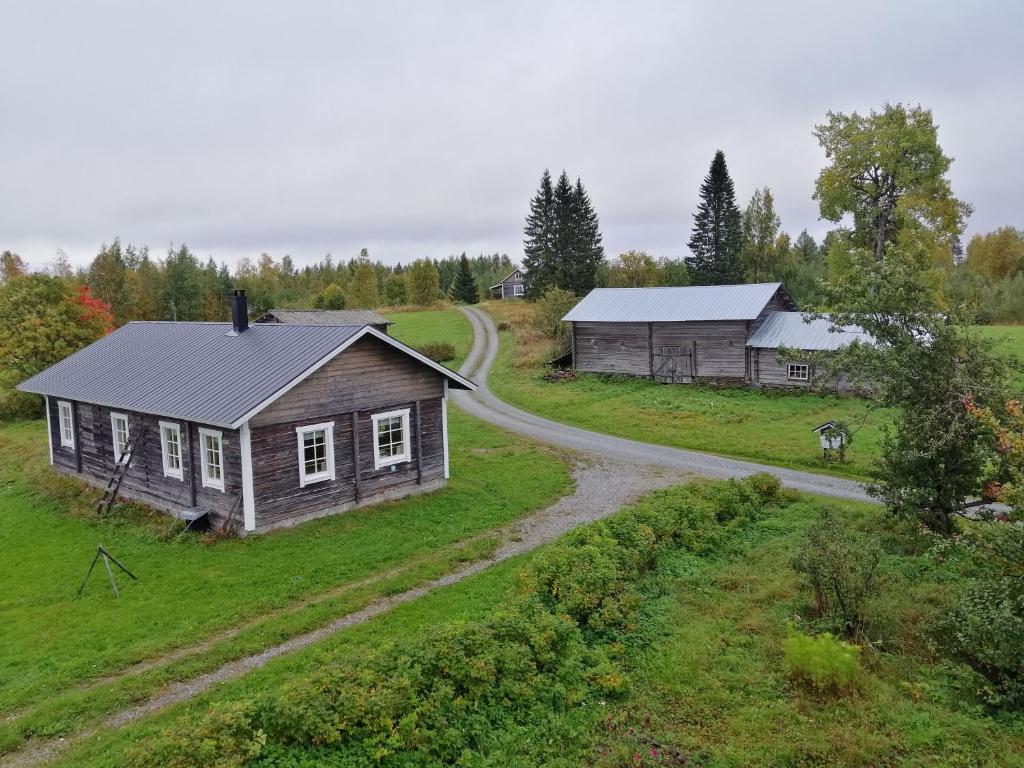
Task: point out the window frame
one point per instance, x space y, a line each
805 369
211 482
327 427
67 441
115 417
169 471
406 455
518 289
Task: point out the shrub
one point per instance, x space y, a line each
504 325
225 737
841 567
822 662
438 351
551 308
767 486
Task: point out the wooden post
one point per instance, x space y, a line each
419 446
191 464
355 455
78 435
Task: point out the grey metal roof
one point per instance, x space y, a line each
791 329
680 304
201 372
325 317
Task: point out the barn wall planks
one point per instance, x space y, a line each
718 347
769 372
612 348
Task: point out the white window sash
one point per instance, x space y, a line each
169 471
798 372
66 423
305 478
116 417
518 289
405 455
204 457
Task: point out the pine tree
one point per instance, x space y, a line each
464 287
717 238
538 242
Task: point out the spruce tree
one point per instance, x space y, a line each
464 287
717 237
587 253
538 243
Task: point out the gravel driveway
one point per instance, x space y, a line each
483 404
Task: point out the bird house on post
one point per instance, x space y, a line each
831 439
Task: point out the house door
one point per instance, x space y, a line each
673 365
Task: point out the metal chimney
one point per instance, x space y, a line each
239 311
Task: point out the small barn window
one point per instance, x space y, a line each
67 425
517 289
798 372
316 453
390 438
119 433
170 448
211 443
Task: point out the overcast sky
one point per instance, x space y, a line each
421 128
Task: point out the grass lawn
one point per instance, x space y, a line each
189 590
705 666
1009 341
770 427
423 327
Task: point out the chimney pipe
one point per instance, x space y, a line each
239 311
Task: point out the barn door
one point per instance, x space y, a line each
673 365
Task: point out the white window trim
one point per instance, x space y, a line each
114 416
68 441
406 455
803 368
316 477
179 472
518 289
210 482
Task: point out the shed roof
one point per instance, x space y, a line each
323 317
204 372
796 330
679 304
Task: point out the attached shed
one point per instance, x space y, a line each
512 287
676 335
325 317
798 331
262 426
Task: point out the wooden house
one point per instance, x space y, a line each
326 317
512 287
693 334
254 427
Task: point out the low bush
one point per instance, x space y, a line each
551 308
767 486
504 325
822 662
438 351
841 567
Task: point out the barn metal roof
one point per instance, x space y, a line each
670 305
795 330
324 317
204 372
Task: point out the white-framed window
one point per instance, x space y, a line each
66 422
798 371
316 453
119 434
517 289
170 448
211 454
390 438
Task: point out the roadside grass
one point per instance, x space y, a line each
1009 341
764 426
420 327
706 678
189 591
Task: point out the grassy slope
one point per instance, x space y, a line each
422 327
770 427
710 682
188 590
1009 341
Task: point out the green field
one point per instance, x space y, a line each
703 660
189 590
450 325
1009 341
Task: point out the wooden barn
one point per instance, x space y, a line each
694 334
326 317
512 287
252 427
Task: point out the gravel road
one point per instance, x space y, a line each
483 404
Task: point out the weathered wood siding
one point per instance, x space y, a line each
769 372
780 302
145 479
507 286
612 348
718 346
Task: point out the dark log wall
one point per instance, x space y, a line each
612 348
719 346
769 372
145 478
780 302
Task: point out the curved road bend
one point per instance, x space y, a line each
483 404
